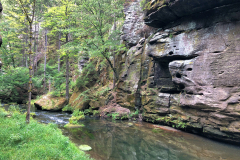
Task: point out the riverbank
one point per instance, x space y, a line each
19 140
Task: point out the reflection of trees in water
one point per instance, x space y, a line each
118 141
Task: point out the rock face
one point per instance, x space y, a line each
133 22
162 12
51 103
186 74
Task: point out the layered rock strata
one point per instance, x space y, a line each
185 72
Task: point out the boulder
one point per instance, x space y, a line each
47 102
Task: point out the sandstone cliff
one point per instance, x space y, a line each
182 67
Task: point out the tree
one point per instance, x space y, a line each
30 22
45 61
97 19
61 22
13 26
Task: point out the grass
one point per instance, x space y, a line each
35 141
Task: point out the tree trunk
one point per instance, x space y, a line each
59 47
26 58
67 77
114 29
30 76
45 61
37 47
34 50
23 53
67 64
30 21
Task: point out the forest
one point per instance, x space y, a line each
50 39
45 43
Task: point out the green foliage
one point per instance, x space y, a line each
76 116
88 77
174 122
3 113
67 108
11 81
57 79
34 140
95 113
88 111
145 4
156 130
77 112
124 117
134 114
114 116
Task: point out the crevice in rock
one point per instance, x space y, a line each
162 76
128 92
168 59
178 75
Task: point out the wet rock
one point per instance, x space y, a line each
73 125
120 112
130 124
85 147
77 102
47 102
96 104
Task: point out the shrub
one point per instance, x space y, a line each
76 116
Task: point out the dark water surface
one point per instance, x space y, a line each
124 140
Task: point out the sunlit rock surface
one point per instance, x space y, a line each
47 102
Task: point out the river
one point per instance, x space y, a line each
125 140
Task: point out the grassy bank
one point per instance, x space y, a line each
33 141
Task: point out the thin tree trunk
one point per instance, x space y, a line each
26 58
23 53
45 61
34 51
30 75
67 64
37 47
59 47
114 29
67 77
30 21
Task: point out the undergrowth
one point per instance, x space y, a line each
76 116
21 141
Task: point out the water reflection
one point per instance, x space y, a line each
139 141
142 141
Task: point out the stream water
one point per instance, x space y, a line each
124 140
